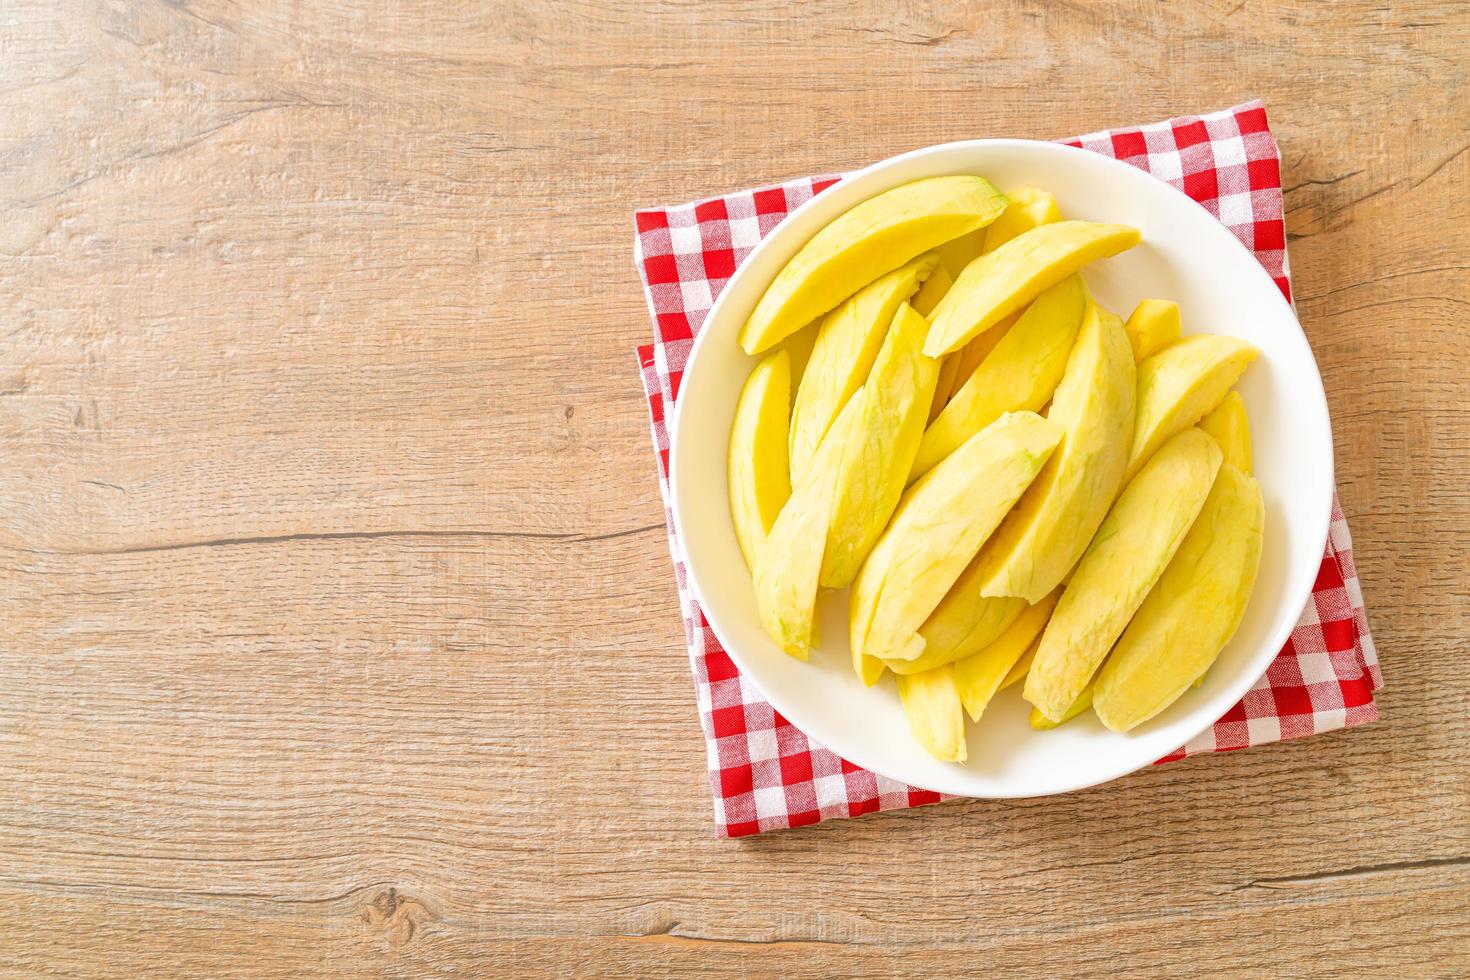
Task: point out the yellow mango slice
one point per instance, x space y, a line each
955 369
876 462
1028 208
933 289
799 347
954 255
1042 723
1019 375
863 601
1018 673
846 346
869 669
980 675
756 465
1152 326
965 623
940 524
1179 384
923 303
932 704
1131 550
948 365
1231 428
1192 612
788 565
973 354
962 623
1001 282
876 236
1042 539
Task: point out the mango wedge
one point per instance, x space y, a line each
970 356
1041 722
923 303
973 354
1193 611
1232 430
940 524
1019 375
961 624
756 465
1179 384
932 703
799 346
1001 282
1130 552
875 237
1029 208
876 461
1023 666
955 369
788 566
980 675
947 367
1042 539
846 346
932 291
869 669
1152 326
956 254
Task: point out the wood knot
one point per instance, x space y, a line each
394 916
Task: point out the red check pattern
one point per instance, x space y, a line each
764 772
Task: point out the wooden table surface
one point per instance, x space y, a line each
339 631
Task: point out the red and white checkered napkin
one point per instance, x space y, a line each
764 772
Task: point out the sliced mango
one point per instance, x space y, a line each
965 622
957 368
932 703
982 674
1131 550
962 363
846 346
932 291
799 345
948 365
1179 384
1001 282
1023 666
924 301
787 567
962 623
1020 373
876 236
862 598
940 524
876 461
956 254
1042 539
1193 611
1152 326
756 465
1028 208
1232 430
973 354
1041 722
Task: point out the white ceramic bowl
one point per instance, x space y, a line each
1187 256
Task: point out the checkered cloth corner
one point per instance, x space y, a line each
764 772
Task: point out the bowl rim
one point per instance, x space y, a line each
1296 597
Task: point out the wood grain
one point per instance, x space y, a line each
339 631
